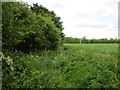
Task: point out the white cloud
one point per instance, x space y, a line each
93 25
92 18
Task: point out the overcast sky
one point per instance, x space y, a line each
90 18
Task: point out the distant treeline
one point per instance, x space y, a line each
84 40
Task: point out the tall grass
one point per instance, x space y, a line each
76 66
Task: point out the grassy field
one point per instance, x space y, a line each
77 66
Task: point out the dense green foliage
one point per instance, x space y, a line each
32 58
76 66
85 40
24 28
40 10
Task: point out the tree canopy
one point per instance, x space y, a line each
30 28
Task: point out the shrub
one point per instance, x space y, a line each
26 31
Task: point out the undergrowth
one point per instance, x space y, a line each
74 66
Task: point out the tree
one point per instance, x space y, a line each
26 31
50 18
40 10
83 39
16 24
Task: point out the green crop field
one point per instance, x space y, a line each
76 66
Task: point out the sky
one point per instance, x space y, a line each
91 18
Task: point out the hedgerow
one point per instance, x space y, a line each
27 31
